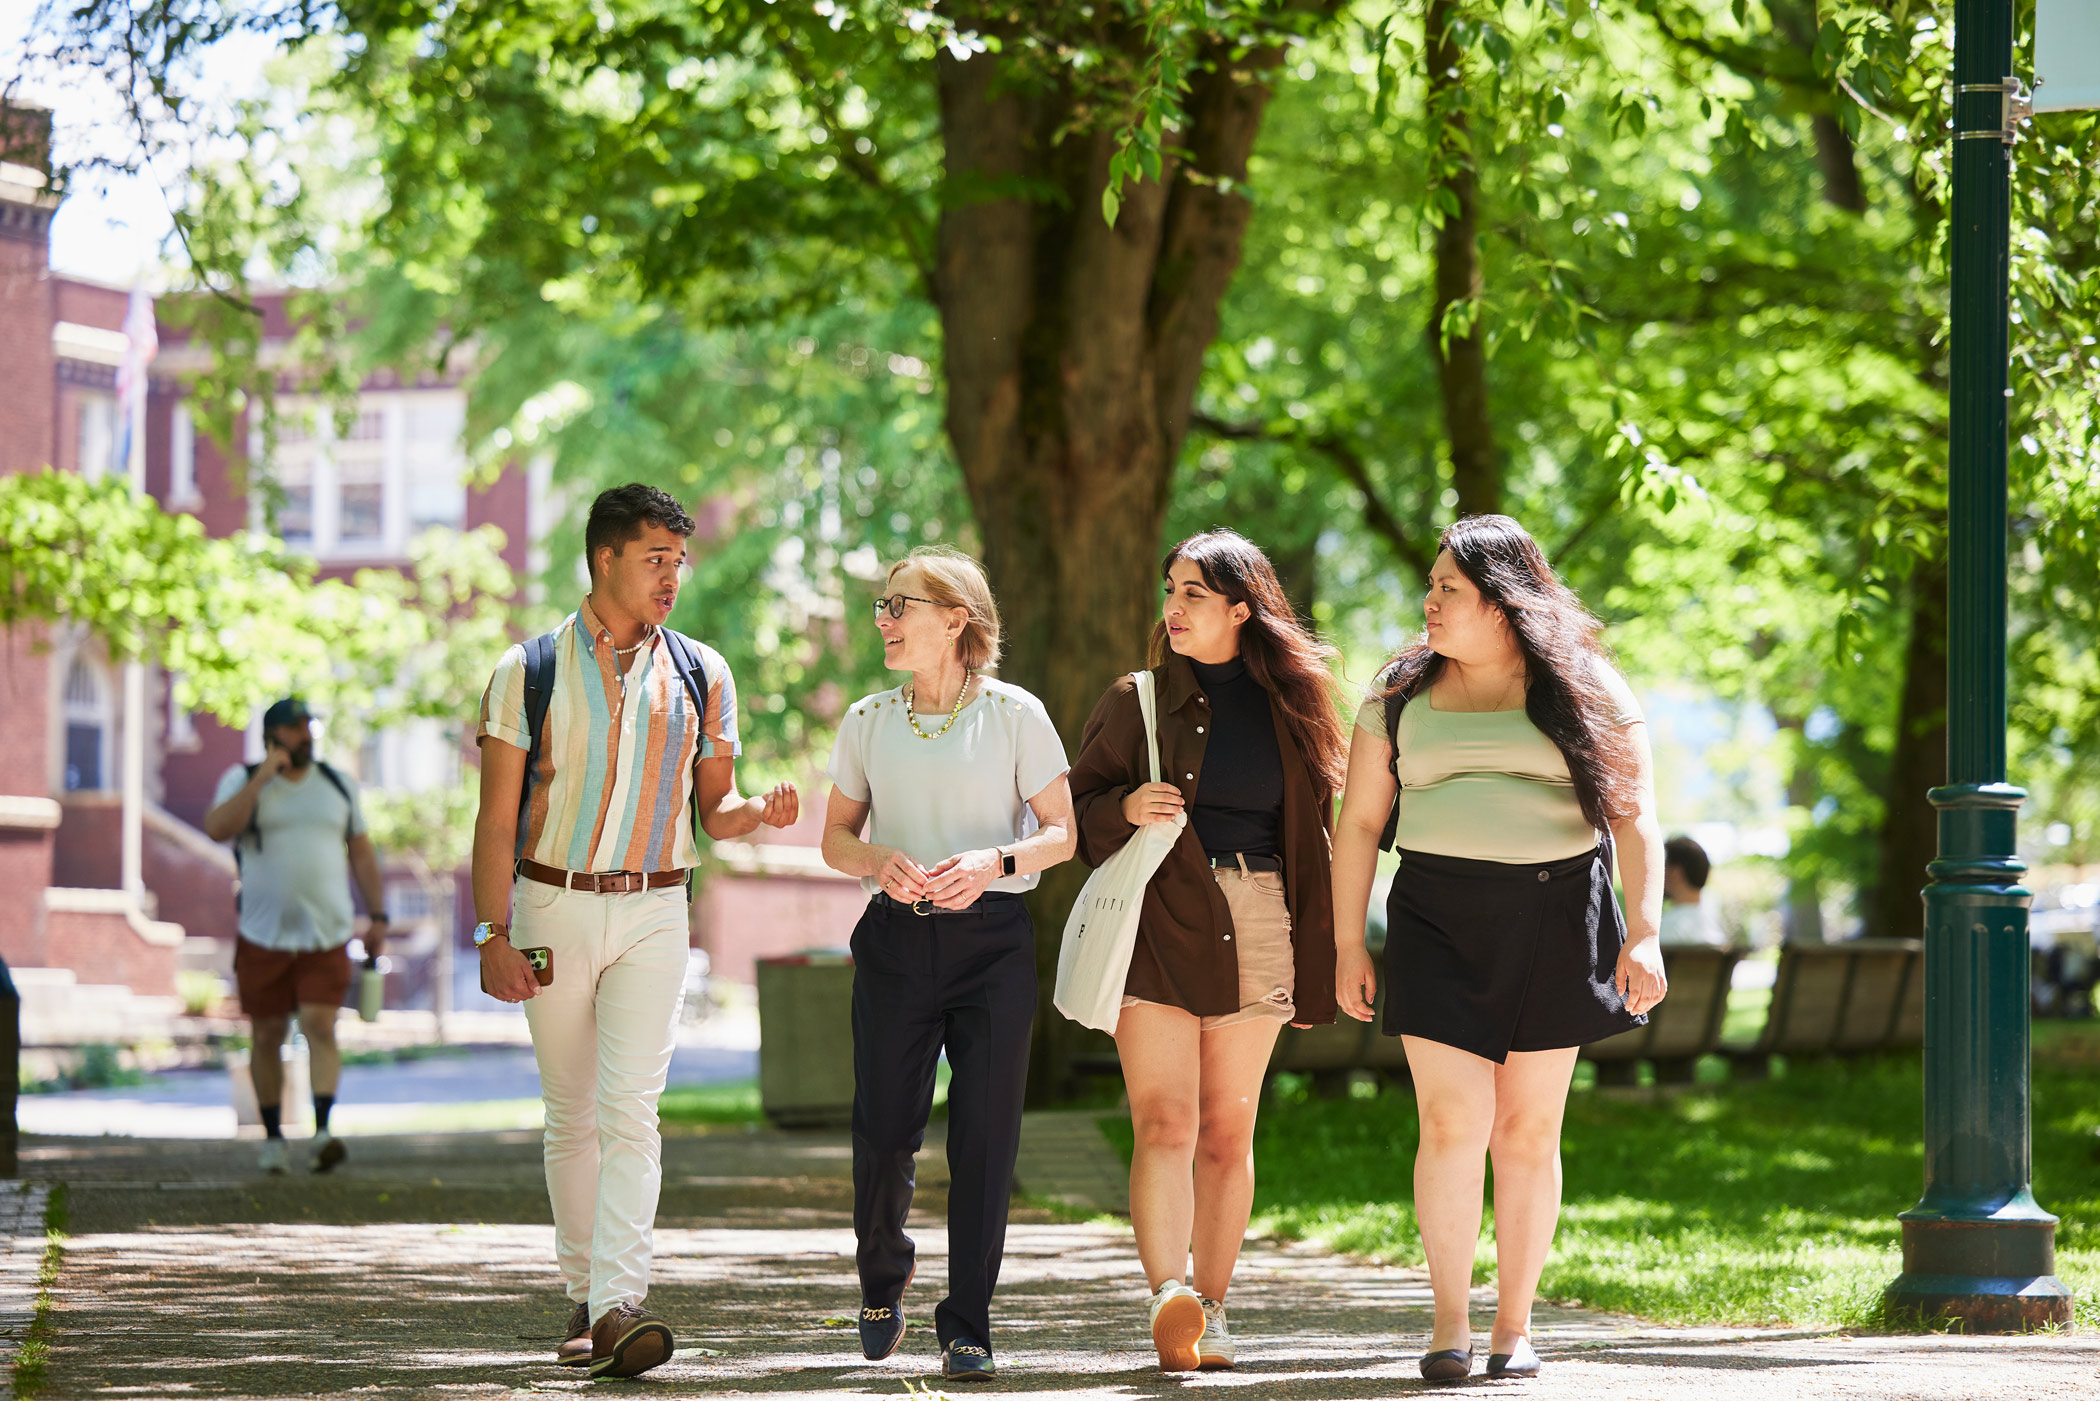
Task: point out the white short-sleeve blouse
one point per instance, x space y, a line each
964 791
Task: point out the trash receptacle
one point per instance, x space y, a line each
805 1038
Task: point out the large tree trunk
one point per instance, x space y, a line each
1072 355
1801 913
1910 830
1836 157
1461 360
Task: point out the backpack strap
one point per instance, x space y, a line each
251 830
539 690
685 657
336 780
1388 839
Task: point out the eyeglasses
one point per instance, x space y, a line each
894 604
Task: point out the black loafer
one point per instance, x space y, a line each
881 1329
1449 1365
1521 1363
965 1361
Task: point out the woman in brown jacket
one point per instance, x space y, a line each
1235 937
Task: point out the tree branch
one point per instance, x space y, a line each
1347 460
1205 223
863 168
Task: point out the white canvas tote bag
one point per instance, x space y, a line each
1101 931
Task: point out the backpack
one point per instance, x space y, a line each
539 692
335 781
1389 838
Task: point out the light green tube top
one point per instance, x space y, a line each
1488 785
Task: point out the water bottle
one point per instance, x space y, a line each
371 990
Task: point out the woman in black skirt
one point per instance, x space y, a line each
1512 760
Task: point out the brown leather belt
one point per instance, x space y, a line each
600 882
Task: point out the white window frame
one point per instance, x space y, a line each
396 452
182 462
99 711
99 436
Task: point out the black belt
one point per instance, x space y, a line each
1230 861
992 902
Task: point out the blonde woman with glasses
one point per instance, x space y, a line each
949 799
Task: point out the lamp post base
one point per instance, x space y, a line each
1987 1276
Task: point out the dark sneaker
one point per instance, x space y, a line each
965 1361
575 1350
881 1329
627 1341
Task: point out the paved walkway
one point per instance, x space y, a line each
463 1087
422 1269
22 1244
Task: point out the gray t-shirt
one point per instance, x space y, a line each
967 790
295 886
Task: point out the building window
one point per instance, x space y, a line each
365 489
99 438
433 462
88 721
414 757
182 462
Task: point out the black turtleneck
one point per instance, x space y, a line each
1239 799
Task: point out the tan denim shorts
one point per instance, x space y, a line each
1261 931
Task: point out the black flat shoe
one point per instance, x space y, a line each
965 1361
881 1329
1521 1363
1450 1365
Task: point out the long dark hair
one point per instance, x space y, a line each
1285 656
1562 647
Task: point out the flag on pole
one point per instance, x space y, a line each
144 344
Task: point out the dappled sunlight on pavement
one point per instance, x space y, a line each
423 1269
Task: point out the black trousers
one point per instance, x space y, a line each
967 982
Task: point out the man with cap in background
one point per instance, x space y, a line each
298 835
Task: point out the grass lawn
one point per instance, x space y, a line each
737 1102
1768 1202
730 1102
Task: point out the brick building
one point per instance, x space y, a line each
353 499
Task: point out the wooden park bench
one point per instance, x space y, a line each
1851 998
1684 1026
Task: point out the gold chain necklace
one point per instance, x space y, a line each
960 696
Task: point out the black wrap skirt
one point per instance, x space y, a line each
1492 957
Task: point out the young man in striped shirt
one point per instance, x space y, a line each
581 848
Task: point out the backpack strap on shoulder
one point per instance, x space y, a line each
539 690
1388 840
685 657
336 781
251 830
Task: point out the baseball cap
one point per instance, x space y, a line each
289 711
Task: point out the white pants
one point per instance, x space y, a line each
602 1033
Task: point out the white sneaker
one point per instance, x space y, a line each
1214 1348
1177 1322
328 1151
272 1157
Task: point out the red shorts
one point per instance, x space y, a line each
275 984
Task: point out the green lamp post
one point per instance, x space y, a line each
1977 1248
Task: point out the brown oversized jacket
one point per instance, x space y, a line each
1184 956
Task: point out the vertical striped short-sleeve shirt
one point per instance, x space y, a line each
613 787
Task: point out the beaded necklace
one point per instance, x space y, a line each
912 715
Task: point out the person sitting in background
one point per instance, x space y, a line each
1686 917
